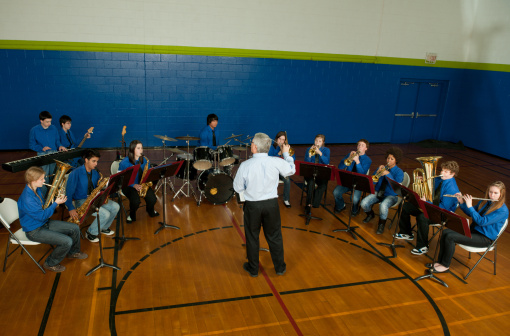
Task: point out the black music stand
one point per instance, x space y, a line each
314 171
162 172
354 181
96 203
446 218
121 180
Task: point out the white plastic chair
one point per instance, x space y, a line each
483 250
9 214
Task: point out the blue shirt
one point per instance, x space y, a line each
258 177
206 137
78 185
65 141
40 138
396 174
31 212
449 187
324 159
125 163
488 225
362 167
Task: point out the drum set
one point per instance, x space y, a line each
212 170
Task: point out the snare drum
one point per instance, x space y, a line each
186 157
217 186
226 155
202 157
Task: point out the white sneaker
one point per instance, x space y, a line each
287 204
420 251
107 232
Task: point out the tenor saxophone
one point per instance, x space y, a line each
83 208
144 186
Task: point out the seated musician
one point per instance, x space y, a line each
67 138
80 184
321 156
208 135
44 139
488 219
443 185
132 191
38 226
384 194
360 164
276 150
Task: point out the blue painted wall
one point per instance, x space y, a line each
172 95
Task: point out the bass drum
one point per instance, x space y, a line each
217 186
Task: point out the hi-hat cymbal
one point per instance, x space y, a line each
240 148
233 136
164 137
175 150
187 137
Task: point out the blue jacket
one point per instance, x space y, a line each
488 225
362 167
78 184
63 138
449 187
206 137
40 138
125 163
31 212
396 174
274 152
324 159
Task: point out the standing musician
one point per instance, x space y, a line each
360 164
38 226
208 135
316 154
445 184
67 138
80 184
44 139
384 193
277 150
257 178
488 219
135 157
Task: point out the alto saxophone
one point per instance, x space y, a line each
83 208
144 186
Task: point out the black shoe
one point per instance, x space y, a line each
355 213
369 217
282 272
245 267
339 210
153 213
380 228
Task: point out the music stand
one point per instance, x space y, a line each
96 203
447 218
407 195
354 181
121 180
314 171
160 173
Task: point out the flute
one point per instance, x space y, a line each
475 198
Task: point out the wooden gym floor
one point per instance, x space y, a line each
191 281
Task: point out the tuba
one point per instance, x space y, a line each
83 208
58 186
424 187
145 186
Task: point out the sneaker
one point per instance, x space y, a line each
287 204
403 236
107 232
282 272
57 268
420 251
129 220
78 255
92 238
245 267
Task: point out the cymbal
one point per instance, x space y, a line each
187 137
233 136
164 137
240 148
175 150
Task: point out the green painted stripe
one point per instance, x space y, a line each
231 52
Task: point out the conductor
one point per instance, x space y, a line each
257 178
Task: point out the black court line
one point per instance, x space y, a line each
47 311
105 288
361 283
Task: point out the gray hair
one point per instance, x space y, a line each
262 141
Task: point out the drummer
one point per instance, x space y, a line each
208 135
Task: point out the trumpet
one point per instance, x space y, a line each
475 198
311 152
378 175
349 160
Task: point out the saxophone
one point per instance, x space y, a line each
83 208
145 186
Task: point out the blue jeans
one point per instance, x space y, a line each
286 187
339 199
107 214
386 203
63 235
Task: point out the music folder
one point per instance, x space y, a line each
168 170
305 169
131 172
409 194
453 221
